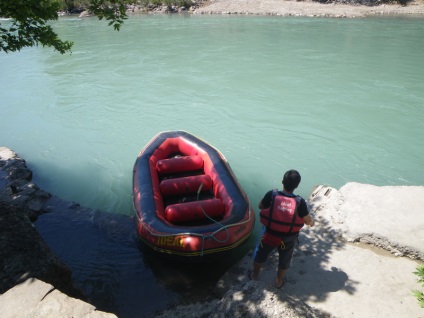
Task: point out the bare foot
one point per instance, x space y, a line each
251 275
280 283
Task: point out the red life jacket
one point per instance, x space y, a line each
282 217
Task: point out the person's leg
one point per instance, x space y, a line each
256 269
281 277
260 257
285 256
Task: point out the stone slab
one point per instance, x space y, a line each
390 217
34 298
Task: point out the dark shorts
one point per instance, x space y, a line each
285 252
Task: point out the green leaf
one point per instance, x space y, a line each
30 18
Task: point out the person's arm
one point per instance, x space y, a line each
304 213
266 201
308 220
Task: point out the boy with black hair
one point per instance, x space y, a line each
283 214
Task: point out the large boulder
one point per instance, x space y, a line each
28 268
23 254
389 217
16 187
34 298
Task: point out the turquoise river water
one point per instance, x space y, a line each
340 100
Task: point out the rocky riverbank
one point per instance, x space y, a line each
33 281
358 260
23 252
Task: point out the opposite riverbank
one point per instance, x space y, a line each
306 8
339 9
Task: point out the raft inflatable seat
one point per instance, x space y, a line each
185 185
179 164
196 210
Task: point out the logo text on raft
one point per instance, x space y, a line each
171 241
240 229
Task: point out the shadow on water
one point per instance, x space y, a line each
90 184
192 281
102 251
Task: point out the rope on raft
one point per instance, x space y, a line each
211 219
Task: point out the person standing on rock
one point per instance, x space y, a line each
283 214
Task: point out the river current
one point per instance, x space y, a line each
340 100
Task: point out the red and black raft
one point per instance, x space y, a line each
187 200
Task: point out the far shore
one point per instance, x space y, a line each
309 8
284 8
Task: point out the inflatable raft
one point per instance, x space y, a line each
187 200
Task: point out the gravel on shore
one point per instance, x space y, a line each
309 8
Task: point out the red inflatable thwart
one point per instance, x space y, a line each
179 164
185 185
197 210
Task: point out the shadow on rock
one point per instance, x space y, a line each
312 276
24 254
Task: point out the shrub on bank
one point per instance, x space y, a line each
179 3
420 294
77 6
